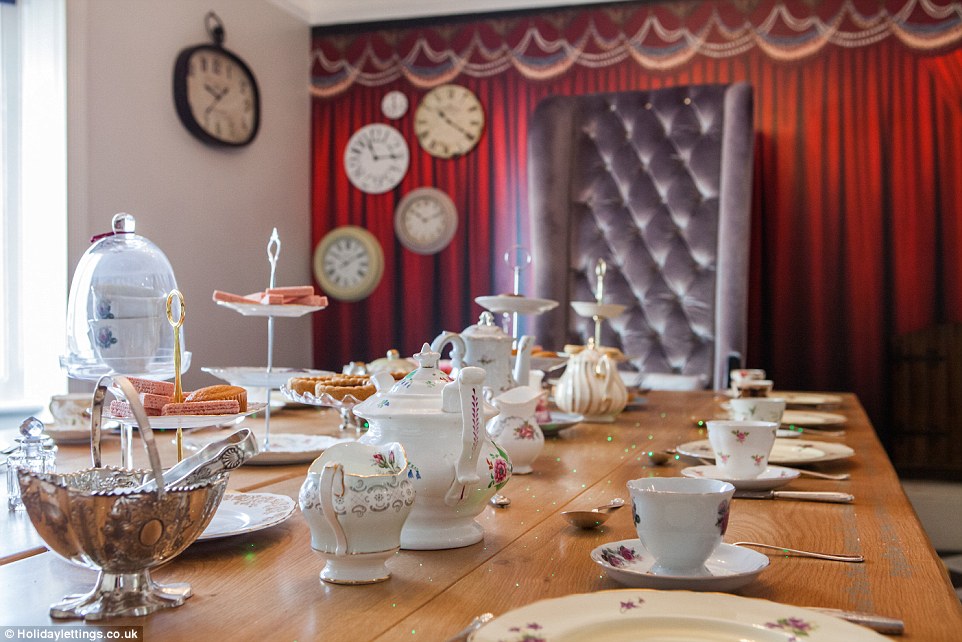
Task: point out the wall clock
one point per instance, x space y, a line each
215 92
394 104
348 263
449 121
425 220
376 158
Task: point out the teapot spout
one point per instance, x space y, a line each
522 362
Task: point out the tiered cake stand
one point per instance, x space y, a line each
293 448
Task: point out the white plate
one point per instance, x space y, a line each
806 398
521 304
772 477
809 418
784 433
549 363
259 378
187 422
785 451
291 448
560 421
639 614
240 513
729 567
265 310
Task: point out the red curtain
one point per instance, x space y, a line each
858 181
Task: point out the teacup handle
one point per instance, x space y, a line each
326 489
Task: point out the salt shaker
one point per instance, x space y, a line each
30 454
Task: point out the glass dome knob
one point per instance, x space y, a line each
31 428
123 223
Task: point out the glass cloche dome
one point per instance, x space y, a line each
116 312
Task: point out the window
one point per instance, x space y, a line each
33 197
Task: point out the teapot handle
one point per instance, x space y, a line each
457 347
325 490
470 380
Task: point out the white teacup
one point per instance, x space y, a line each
355 499
745 374
126 345
680 520
71 410
752 387
758 409
120 306
741 447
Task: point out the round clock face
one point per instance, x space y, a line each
376 158
425 220
394 104
348 263
216 96
449 121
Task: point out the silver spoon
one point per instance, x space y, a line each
595 516
473 626
821 556
500 501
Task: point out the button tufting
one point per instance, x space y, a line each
611 107
687 101
647 105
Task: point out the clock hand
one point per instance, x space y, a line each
455 126
217 99
370 146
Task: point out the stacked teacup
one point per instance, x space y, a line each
125 326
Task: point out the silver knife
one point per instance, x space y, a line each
812 496
880 623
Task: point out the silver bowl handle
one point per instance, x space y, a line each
143 424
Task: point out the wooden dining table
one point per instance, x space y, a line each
264 585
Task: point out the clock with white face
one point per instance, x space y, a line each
394 104
376 158
348 263
449 121
425 220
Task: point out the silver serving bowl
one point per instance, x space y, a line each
95 519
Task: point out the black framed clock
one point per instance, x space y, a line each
215 92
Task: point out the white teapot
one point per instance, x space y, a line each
515 429
485 345
591 386
453 464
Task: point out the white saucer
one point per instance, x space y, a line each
67 435
772 477
240 513
259 377
729 567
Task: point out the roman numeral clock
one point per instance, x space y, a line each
448 121
215 92
348 263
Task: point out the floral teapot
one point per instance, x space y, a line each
485 345
454 465
591 386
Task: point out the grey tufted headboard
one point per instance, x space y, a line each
658 183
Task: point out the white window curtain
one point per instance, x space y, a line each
33 197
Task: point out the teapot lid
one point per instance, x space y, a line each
419 391
485 328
